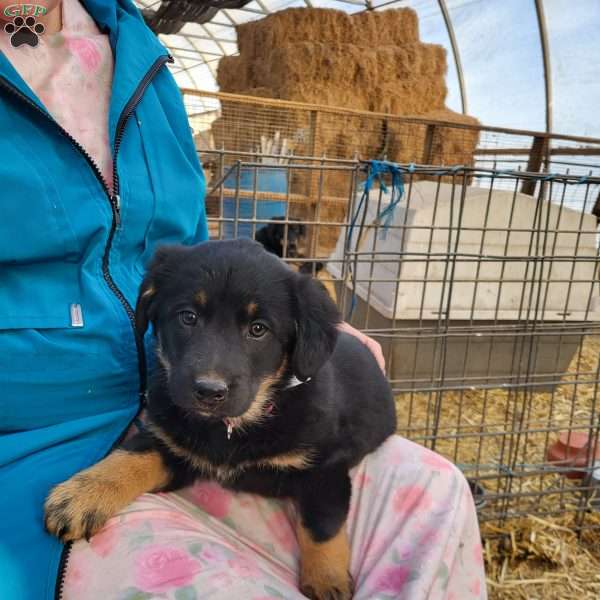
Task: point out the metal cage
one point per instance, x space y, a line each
485 299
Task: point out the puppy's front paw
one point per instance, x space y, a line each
316 587
324 566
80 506
77 508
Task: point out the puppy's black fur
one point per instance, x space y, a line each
233 326
343 410
272 237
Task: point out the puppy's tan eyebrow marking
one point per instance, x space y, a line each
252 308
200 297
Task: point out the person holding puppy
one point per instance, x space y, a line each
98 170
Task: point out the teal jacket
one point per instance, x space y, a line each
72 373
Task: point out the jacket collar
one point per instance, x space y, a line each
10 74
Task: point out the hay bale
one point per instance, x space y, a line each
392 27
371 61
398 80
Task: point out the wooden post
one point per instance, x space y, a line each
539 149
312 180
314 151
428 145
596 209
313 128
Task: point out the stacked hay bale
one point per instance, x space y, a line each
370 61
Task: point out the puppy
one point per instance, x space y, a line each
254 387
272 237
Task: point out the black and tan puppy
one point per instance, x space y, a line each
255 387
274 239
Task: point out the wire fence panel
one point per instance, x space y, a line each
240 123
480 280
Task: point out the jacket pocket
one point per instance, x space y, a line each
40 296
34 224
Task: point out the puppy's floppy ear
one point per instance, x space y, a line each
143 305
267 237
317 319
149 287
261 235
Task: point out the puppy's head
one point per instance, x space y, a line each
272 237
233 323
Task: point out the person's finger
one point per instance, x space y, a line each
377 351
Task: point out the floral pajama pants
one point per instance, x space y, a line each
412 527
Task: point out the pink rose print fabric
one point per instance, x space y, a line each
75 84
412 527
212 498
159 568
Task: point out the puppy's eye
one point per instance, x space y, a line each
257 329
189 318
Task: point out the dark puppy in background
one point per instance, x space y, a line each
255 387
272 237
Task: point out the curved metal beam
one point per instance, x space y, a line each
541 17
263 7
181 69
457 62
217 41
209 64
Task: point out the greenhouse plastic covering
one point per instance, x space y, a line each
528 64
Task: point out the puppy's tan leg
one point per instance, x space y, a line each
80 506
324 566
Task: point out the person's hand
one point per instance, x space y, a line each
370 343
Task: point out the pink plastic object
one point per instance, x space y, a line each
571 450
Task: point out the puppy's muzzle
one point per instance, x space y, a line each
211 392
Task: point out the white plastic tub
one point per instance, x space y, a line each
527 274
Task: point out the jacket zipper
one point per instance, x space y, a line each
115 203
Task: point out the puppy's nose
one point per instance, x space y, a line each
211 391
